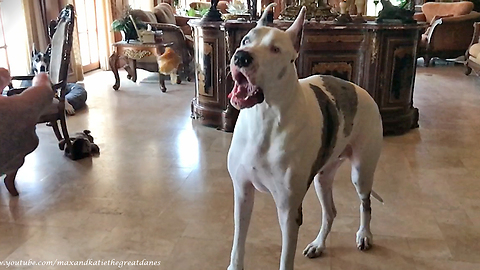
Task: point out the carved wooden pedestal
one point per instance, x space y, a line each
378 57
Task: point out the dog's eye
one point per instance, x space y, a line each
275 49
245 41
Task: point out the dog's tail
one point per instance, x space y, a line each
376 196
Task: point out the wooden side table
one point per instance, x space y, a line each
133 55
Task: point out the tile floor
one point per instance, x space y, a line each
160 189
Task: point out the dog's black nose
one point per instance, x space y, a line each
42 69
242 59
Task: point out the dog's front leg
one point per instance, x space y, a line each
244 195
290 219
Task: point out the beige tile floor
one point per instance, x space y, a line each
160 190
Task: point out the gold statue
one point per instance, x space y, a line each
316 9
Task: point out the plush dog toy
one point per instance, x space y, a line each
82 146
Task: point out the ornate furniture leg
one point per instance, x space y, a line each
468 71
10 183
162 83
114 66
426 61
131 68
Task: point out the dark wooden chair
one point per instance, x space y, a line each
60 32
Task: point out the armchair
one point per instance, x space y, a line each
450 29
175 29
61 32
472 56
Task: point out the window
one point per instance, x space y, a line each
141 4
87 33
373 7
14 47
3 45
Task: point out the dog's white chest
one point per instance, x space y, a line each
265 152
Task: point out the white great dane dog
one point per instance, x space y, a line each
292 132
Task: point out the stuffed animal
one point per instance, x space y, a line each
82 146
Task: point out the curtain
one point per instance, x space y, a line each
105 35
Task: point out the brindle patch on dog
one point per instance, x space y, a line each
346 99
329 132
299 219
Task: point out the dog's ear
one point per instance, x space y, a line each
267 16
34 50
295 31
94 149
87 134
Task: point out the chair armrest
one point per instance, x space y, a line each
166 27
476 33
171 33
183 20
58 85
161 26
420 17
62 85
15 91
23 78
475 38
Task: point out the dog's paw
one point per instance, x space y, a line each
364 240
313 250
69 108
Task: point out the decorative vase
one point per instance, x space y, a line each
360 4
344 15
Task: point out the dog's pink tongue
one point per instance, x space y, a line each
239 97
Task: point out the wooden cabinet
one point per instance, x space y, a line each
379 58
210 98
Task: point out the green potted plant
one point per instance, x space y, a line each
126 27
197 13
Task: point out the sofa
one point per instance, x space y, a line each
175 29
472 55
450 29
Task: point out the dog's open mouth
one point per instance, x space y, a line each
244 94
